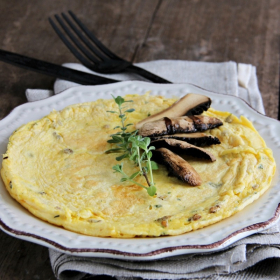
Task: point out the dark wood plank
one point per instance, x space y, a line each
139 30
216 31
121 25
23 260
25 29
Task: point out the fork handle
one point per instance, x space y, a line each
146 74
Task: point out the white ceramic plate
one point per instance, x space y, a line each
260 215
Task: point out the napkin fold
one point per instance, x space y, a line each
254 257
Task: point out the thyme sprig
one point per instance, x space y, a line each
134 147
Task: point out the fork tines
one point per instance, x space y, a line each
90 59
91 52
75 40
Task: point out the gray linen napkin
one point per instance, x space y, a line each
254 257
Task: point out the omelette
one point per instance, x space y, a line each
57 168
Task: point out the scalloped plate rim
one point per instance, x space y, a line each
162 250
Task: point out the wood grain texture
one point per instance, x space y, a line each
139 30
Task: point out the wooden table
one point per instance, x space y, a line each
199 30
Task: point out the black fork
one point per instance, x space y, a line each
92 53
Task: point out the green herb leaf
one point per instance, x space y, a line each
152 191
142 145
134 175
133 156
147 141
119 100
130 110
118 167
122 157
115 150
123 179
135 147
149 155
115 137
154 165
113 141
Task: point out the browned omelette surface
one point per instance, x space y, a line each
57 168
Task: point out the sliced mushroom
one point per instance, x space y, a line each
198 139
190 104
181 147
177 166
179 125
203 123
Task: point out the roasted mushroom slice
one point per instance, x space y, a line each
190 104
203 123
177 166
179 125
181 147
197 139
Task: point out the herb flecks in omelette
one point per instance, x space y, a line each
82 189
135 147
